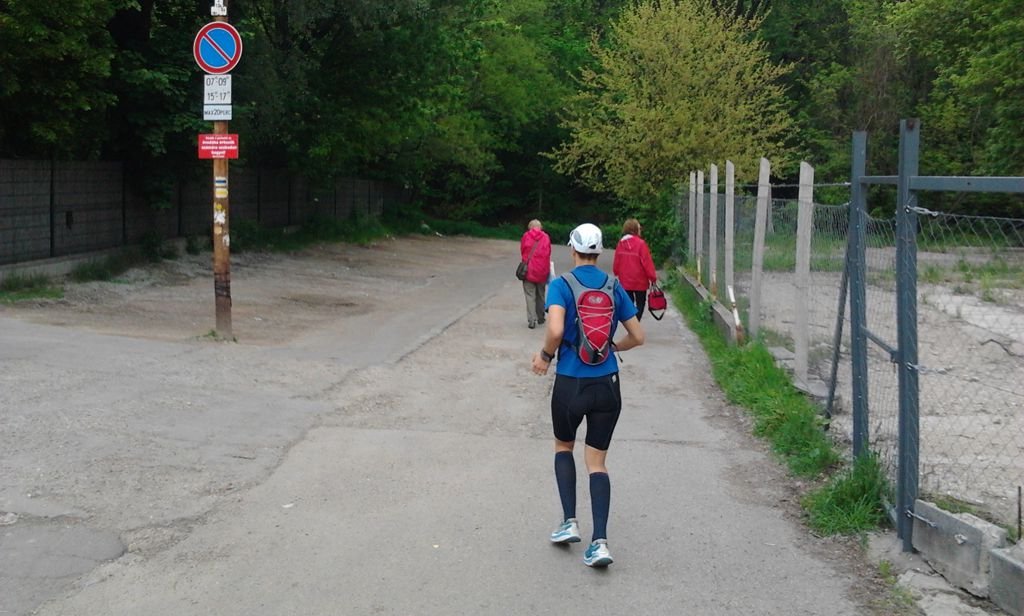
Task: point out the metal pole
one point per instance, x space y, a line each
858 294
906 326
837 337
124 207
53 207
221 235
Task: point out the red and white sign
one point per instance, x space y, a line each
218 146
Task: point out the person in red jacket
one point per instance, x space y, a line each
633 265
535 249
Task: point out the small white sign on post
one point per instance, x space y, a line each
217 97
217 89
218 9
217 113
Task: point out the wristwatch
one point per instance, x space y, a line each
546 356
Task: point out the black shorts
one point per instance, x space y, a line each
598 399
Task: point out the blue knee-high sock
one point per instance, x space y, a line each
600 501
565 476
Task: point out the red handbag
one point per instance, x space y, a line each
656 302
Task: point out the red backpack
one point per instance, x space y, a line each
595 315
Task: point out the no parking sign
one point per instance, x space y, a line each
217 48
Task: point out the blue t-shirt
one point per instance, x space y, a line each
559 294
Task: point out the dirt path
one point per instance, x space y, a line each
374 443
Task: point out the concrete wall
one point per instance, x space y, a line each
972 554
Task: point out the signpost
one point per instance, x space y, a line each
217 49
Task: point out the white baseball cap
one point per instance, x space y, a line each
586 239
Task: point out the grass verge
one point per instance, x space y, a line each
17 287
848 502
852 501
107 268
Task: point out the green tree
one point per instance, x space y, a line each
677 86
54 62
845 77
969 56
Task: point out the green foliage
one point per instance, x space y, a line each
18 287
194 244
54 62
155 249
677 85
247 235
971 54
853 501
498 112
108 268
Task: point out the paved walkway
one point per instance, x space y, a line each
416 479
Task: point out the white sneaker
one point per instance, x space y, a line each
597 554
568 532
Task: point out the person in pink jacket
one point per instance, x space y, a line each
535 249
633 265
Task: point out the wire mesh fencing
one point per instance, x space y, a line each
971 353
933 382
880 320
780 291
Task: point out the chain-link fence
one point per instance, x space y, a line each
970 322
971 351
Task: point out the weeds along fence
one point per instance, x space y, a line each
55 209
910 329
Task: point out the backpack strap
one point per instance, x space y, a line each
577 288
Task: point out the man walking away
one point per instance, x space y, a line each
586 384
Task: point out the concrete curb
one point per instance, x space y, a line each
971 554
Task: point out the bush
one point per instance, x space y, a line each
151 245
246 235
854 501
154 249
107 268
194 244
